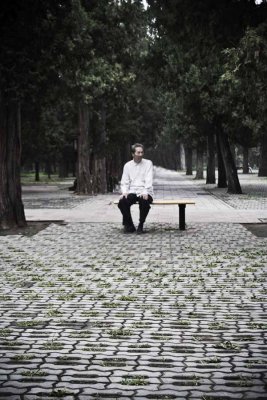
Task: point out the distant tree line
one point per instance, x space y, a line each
81 80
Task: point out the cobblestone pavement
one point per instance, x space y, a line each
90 313
254 193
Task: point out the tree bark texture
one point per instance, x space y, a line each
100 179
263 156
229 164
84 181
210 178
11 206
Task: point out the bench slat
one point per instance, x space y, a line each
162 202
166 202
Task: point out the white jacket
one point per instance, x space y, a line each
138 177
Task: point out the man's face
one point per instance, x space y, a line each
138 155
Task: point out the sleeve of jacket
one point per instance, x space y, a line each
149 179
125 180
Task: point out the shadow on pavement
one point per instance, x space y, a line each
32 228
259 230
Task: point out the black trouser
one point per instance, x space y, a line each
126 203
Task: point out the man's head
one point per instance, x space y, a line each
137 152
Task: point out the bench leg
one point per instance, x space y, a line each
182 217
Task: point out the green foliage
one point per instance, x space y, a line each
242 85
204 78
93 55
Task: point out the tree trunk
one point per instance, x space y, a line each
263 157
210 178
37 171
178 156
229 164
11 206
48 168
182 157
200 163
100 169
84 182
113 170
222 181
100 179
189 160
245 160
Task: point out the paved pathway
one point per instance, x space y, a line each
90 313
212 204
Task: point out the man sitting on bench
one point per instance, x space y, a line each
136 186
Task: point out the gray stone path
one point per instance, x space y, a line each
90 313
211 203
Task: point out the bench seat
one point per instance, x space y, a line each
181 204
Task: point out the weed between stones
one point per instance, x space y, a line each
138 380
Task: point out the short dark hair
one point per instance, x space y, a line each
134 146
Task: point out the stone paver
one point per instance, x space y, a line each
90 313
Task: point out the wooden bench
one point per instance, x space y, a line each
181 204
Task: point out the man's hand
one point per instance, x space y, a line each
124 195
144 196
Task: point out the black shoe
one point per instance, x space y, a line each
140 229
129 228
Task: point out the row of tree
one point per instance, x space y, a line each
87 78
213 61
